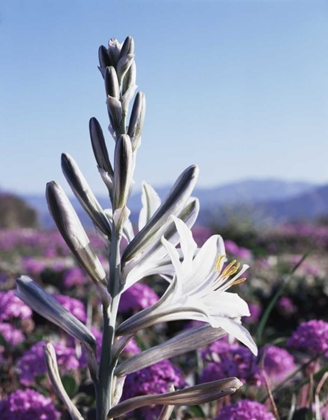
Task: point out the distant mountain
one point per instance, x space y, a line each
307 206
264 193
251 191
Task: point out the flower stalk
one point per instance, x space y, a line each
197 281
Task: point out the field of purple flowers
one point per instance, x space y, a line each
286 289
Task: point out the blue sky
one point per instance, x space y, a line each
238 87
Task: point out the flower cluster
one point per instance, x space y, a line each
74 276
277 362
155 379
245 410
74 306
12 307
224 359
228 360
311 336
139 296
10 334
32 363
28 405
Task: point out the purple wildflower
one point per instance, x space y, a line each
245 410
232 248
32 266
255 311
324 412
10 334
74 276
154 379
27 405
137 297
228 360
74 306
32 363
12 307
132 348
278 363
201 234
286 306
217 347
311 336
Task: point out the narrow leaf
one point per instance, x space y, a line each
275 298
56 382
199 394
182 343
83 193
47 306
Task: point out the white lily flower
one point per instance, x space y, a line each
198 290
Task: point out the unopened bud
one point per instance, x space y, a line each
137 119
111 83
123 170
99 146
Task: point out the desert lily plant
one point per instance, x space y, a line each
197 279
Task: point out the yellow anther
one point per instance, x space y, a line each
230 269
219 262
242 279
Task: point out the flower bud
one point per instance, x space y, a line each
99 146
173 204
111 83
127 47
137 119
73 232
114 108
84 194
123 171
104 60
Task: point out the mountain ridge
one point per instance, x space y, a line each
279 199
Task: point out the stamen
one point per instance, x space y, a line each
219 262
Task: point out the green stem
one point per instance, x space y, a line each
104 390
123 123
279 292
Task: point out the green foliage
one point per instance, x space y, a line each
70 385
